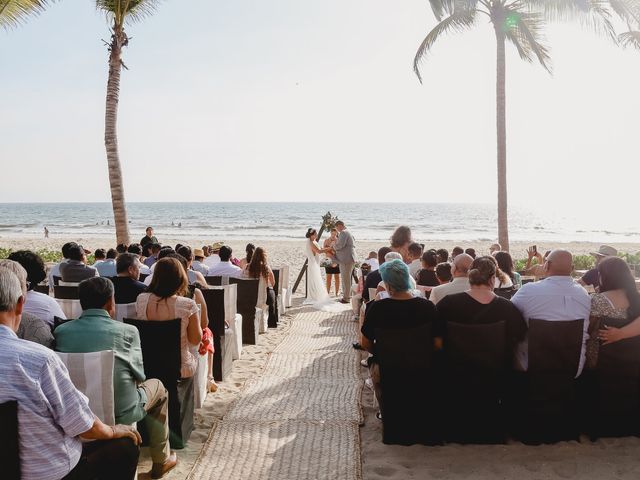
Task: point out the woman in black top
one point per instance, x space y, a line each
480 305
427 276
400 311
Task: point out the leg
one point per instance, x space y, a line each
374 371
107 460
329 282
345 271
336 279
157 419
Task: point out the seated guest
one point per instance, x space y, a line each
401 310
460 279
455 252
400 241
225 267
100 255
471 252
193 276
443 273
427 274
55 270
503 281
592 278
213 257
121 248
259 269
126 284
37 304
480 305
495 248
372 261
443 255
53 416
136 250
31 327
76 269
505 264
374 278
618 299
249 249
557 297
165 301
537 270
154 249
415 257
205 250
107 268
148 237
163 253
135 397
198 262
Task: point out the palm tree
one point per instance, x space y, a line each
514 21
12 12
119 13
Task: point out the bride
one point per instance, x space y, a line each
317 295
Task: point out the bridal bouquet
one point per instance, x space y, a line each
327 262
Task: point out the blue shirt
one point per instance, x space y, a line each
51 411
107 268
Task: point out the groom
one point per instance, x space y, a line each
346 256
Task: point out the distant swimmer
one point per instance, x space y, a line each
173 224
46 232
180 225
107 222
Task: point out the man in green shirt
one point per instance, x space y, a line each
135 398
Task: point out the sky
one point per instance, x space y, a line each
289 100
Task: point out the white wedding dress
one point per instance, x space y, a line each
317 296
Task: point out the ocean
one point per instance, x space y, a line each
288 221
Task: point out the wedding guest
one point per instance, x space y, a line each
400 241
136 250
225 267
374 278
198 262
205 250
121 248
333 270
480 305
126 285
443 255
503 281
100 255
136 398
426 277
55 270
148 237
31 327
372 261
455 252
505 263
259 268
537 270
471 252
165 301
558 297
76 269
401 310
107 268
443 273
193 276
415 258
249 249
153 257
495 248
592 277
213 257
618 298
460 279
37 304
53 416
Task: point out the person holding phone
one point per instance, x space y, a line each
536 270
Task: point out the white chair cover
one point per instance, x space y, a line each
68 284
92 374
200 380
70 308
125 310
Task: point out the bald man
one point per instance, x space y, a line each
460 282
557 297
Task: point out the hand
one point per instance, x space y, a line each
125 431
531 252
610 335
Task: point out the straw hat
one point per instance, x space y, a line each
605 251
198 253
217 246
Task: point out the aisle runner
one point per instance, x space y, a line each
299 419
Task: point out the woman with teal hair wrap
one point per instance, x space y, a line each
395 274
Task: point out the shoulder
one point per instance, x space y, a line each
450 300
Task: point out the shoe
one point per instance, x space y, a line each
365 362
342 300
159 470
368 383
379 415
212 386
357 346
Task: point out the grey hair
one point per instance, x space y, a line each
10 290
20 272
392 256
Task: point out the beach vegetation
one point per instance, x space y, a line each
15 12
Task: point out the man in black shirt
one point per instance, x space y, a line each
148 238
126 284
374 278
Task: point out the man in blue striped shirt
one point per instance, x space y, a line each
52 414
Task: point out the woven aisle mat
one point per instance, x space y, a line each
310 344
280 451
332 329
274 398
324 317
325 365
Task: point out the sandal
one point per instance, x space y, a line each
212 386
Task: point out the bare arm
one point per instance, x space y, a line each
611 334
204 316
194 330
101 431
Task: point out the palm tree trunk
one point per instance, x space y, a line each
111 137
501 123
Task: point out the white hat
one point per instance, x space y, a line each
605 251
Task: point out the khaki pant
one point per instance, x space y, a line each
157 419
346 271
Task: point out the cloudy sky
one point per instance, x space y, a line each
290 100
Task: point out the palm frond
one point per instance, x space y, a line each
524 31
627 10
594 15
14 12
129 11
630 39
457 22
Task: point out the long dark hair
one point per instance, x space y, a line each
250 249
169 278
615 274
505 263
258 266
